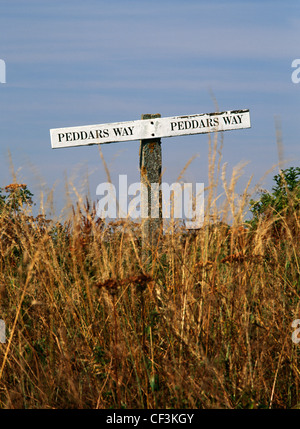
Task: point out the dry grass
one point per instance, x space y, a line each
204 323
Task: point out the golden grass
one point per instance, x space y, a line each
204 323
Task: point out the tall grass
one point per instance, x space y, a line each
205 322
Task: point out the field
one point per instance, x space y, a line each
203 321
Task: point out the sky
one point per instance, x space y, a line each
72 63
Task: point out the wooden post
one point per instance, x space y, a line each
151 198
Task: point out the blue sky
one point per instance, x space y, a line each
72 63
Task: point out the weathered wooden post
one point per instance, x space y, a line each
151 198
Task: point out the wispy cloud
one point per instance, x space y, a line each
75 32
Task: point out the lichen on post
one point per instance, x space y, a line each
151 198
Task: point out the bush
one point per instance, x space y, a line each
284 200
17 196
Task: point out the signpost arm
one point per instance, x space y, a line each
151 198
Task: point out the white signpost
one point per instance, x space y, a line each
149 130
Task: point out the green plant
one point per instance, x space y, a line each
285 197
17 196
